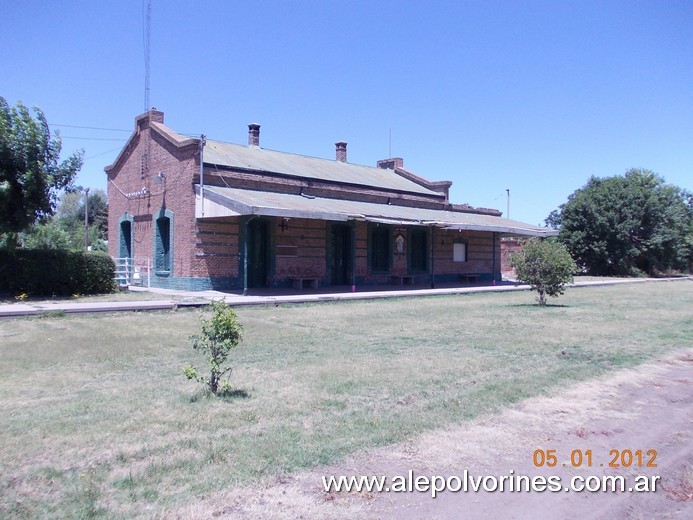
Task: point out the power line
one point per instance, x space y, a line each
91 128
102 153
91 138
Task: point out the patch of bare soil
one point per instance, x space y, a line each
648 408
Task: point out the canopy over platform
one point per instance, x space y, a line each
234 202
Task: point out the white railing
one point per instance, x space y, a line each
133 271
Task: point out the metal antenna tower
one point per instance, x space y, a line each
147 36
147 51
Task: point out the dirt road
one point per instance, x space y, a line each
648 408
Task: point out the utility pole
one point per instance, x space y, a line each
86 219
507 214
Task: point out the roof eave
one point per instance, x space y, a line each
506 230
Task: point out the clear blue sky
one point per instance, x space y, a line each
534 96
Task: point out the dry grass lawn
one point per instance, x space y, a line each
97 420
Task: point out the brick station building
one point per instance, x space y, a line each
215 215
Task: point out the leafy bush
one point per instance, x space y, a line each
99 274
219 335
56 272
545 265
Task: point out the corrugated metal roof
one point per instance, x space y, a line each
251 202
236 156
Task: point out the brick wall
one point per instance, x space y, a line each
142 194
300 249
217 250
480 251
480 255
509 246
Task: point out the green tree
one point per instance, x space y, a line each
627 225
70 212
71 204
98 213
220 334
65 230
545 265
31 174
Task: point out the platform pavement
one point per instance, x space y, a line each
171 299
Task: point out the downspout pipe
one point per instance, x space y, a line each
203 141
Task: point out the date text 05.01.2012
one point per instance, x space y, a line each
584 458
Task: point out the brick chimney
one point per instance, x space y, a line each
391 163
341 151
253 134
156 116
153 115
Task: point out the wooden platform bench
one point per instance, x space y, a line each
403 280
306 283
469 278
